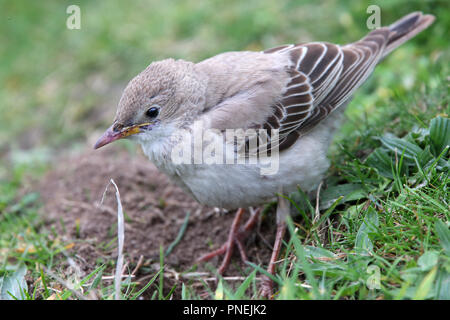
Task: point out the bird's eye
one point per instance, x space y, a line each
152 112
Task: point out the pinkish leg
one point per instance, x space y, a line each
282 213
267 285
235 237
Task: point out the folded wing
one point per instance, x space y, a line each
323 76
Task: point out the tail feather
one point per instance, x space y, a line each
406 28
361 57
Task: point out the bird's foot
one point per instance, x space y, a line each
235 237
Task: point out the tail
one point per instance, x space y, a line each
361 57
404 29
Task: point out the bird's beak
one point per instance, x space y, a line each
110 135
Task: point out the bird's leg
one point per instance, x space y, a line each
282 213
267 285
235 237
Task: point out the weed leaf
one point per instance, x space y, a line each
439 134
425 287
363 242
443 233
380 160
13 286
443 285
428 260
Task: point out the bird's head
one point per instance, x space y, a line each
164 97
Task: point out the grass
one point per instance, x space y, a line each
387 238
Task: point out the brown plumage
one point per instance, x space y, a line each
325 75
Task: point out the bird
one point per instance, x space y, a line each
290 97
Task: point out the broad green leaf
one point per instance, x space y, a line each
363 241
443 233
12 286
424 157
443 283
316 252
401 146
419 136
410 292
439 134
381 161
426 285
350 191
428 260
410 275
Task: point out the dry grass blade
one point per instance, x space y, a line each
120 237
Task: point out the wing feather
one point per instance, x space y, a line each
323 76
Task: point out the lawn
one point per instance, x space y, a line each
381 227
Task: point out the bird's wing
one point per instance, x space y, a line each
323 76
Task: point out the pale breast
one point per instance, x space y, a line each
242 185
234 185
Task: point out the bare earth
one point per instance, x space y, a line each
154 211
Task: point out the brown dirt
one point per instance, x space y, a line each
154 212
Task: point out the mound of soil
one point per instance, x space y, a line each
154 209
